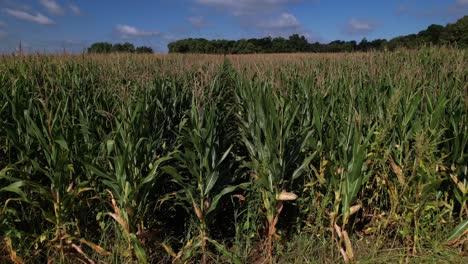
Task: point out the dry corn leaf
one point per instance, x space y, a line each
354 209
338 230
345 256
197 210
398 171
287 196
13 255
349 249
121 222
80 251
169 250
459 184
95 247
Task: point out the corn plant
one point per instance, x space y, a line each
353 175
132 171
274 148
199 173
47 167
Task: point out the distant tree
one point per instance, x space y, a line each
432 34
363 45
298 43
456 33
143 49
280 45
126 47
178 46
378 44
104 47
100 47
316 47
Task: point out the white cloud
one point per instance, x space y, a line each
38 18
462 2
52 7
359 25
282 25
168 37
285 21
266 17
197 21
128 32
355 26
76 10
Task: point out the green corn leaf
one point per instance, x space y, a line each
301 169
459 230
212 178
225 191
174 173
138 249
62 143
96 171
152 174
110 146
15 188
233 258
226 153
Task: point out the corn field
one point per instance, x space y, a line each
297 158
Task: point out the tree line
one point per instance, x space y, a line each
105 47
451 34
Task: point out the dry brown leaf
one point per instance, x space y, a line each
169 250
13 255
121 222
95 247
197 211
354 209
459 184
345 256
398 171
338 230
239 196
459 241
349 248
287 196
80 251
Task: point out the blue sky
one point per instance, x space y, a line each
54 25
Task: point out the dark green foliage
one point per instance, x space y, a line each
127 47
144 49
452 34
100 47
